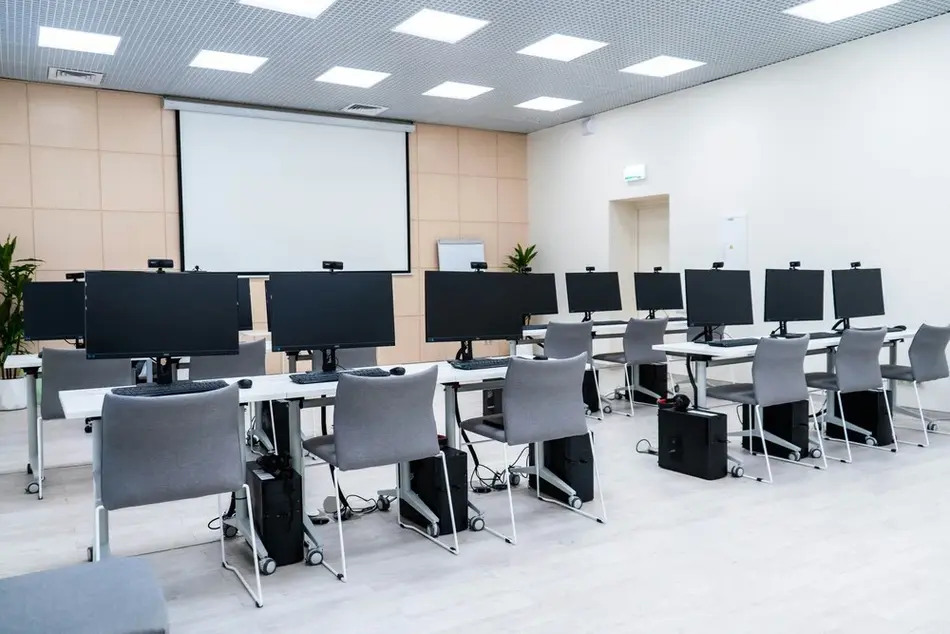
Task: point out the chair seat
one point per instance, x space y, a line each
322 447
822 381
483 427
114 596
737 393
897 372
611 357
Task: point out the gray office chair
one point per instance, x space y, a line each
856 369
563 340
539 404
67 369
928 362
154 450
382 421
351 358
248 362
638 340
778 378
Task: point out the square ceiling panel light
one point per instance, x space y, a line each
455 90
548 104
563 48
303 8
355 77
437 25
662 66
78 41
828 11
216 60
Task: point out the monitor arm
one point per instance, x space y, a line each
651 314
588 315
166 370
329 360
465 351
842 324
782 329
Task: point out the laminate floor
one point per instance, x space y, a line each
858 548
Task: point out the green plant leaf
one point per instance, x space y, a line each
15 274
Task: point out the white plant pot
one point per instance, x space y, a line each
12 394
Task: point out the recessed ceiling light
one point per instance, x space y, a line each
441 26
563 48
216 60
828 11
455 90
548 104
303 8
352 77
662 66
78 41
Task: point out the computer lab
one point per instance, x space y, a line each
439 316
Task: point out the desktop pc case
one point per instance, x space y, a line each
693 442
427 481
867 410
570 459
653 378
278 512
789 422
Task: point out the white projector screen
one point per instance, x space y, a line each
261 195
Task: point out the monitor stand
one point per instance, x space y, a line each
782 330
465 351
842 324
329 360
80 344
651 314
706 335
588 315
165 370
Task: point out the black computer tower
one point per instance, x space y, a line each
278 429
591 395
789 422
428 482
867 410
570 459
693 442
491 402
653 378
278 513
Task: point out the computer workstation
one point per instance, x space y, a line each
716 298
592 292
795 295
658 291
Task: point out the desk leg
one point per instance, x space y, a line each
313 547
451 424
701 367
100 549
33 465
891 383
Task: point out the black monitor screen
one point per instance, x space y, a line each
794 295
593 292
717 297
322 311
858 293
54 310
469 306
538 295
267 301
245 317
132 314
658 291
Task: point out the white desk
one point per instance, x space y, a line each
607 331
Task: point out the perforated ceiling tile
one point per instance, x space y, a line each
161 37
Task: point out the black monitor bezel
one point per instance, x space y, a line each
670 274
455 338
768 317
600 307
834 293
689 314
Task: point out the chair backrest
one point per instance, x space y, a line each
350 358
778 371
249 361
542 400
381 421
640 337
563 340
857 360
160 449
71 370
928 353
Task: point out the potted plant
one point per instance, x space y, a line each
521 257
14 274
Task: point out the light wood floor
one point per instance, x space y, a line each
859 548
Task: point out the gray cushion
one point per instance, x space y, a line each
322 447
611 357
114 596
897 372
481 427
736 393
822 381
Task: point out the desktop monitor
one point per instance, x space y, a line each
794 295
658 291
245 317
136 314
593 292
54 310
267 302
858 293
537 293
718 298
470 306
313 310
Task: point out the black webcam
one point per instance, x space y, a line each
332 265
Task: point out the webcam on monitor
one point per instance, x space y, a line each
855 265
479 266
589 269
794 264
657 269
525 269
332 265
160 263
718 265
76 277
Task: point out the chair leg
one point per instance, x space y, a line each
511 505
920 410
821 442
844 429
597 480
600 400
259 596
545 474
448 494
765 449
97 533
890 418
40 459
626 382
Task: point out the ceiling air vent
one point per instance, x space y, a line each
364 109
82 77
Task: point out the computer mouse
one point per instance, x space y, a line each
397 371
245 384
900 328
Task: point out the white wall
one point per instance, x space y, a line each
836 156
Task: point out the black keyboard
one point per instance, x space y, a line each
169 389
611 322
812 335
306 378
733 343
480 364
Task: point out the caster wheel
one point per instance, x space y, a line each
608 409
575 502
314 557
476 524
586 411
87 429
737 471
932 427
816 453
33 488
515 479
230 532
794 456
870 441
432 530
267 566
383 503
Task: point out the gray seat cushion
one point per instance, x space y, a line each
482 427
322 447
611 357
822 381
114 596
735 393
897 372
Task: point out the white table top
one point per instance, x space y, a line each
22 362
690 348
